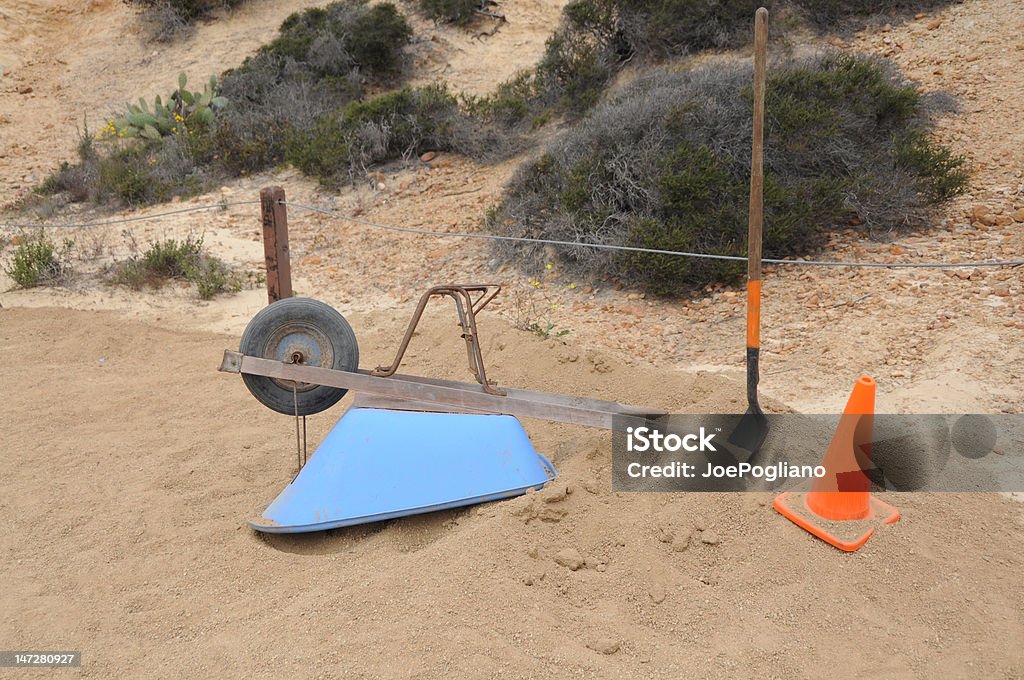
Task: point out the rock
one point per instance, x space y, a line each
605 645
570 558
1018 216
932 25
533 552
989 220
550 514
682 540
557 494
25 89
591 563
657 593
979 211
1001 291
428 156
381 186
709 537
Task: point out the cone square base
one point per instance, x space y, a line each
848 535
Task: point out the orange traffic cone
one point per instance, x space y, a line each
839 508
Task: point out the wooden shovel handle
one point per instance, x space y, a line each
756 214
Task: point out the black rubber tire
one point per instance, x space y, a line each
325 338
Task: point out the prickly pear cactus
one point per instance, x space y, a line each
184 112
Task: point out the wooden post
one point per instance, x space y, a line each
275 244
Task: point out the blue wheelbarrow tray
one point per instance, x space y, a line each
378 464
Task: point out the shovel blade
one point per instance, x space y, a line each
749 435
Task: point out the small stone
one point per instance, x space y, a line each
533 552
550 514
428 156
1018 216
605 645
682 541
1001 291
657 593
979 211
381 186
557 494
591 563
570 558
602 567
25 89
988 220
709 537
528 580
932 25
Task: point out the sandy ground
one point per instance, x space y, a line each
123 536
131 464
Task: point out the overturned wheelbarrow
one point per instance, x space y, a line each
408 444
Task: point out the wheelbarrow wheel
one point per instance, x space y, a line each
299 330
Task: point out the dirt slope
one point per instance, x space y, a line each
49 92
123 537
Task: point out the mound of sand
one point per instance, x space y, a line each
131 465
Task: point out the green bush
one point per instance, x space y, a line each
321 60
940 173
331 41
395 125
115 166
459 12
169 18
188 10
38 261
596 38
665 164
185 260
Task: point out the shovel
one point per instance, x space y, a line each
750 434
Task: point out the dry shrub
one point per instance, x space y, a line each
665 164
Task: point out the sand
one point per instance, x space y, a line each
130 465
126 485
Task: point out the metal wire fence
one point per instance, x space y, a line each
515 239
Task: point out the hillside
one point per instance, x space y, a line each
131 464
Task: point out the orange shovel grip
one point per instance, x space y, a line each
754 313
